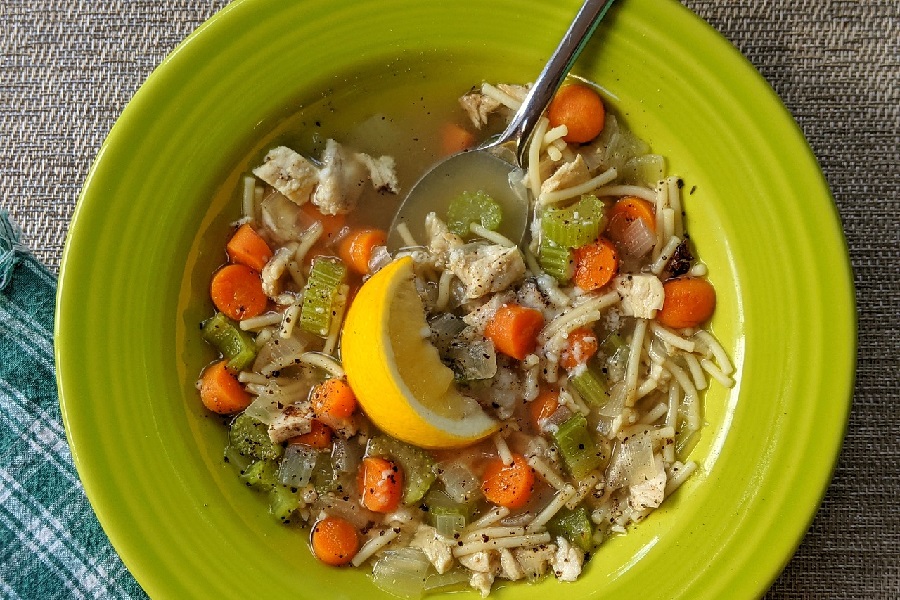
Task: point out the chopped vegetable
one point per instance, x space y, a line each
417 465
542 407
510 486
590 385
574 225
380 484
575 526
221 392
283 502
237 291
556 261
595 264
331 224
356 248
514 330
297 466
580 109
262 474
473 207
577 447
689 301
321 294
246 247
455 138
318 437
333 402
624 213
235 345
334 541
402 572
581 345
251 438
445 514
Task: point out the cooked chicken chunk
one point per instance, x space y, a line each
642 295
290 173
486 269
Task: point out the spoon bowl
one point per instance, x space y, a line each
481 169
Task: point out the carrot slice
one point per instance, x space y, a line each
355 249
514 330
689 301
380 484
455 138
580 109
331 224
333 399
625 212
510 486
317 438
236 290
334 541
581 345
542 407
595 264
221 392
246 247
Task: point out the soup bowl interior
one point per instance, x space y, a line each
155 210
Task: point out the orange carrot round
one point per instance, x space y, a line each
510 486
236 290
514 330
317 438
595 264
221 392
380 484
355 249
624 212
581 345
333 402
689 301
331 224
246 247
542 407
455 138
334 541
580 109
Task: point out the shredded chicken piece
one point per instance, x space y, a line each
290 173
567 175
567 561
651 492
642 295
440 239
436 547
295 419
487 268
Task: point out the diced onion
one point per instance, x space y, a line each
297 465
639 239
402 572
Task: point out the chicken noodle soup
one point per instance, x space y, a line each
465 409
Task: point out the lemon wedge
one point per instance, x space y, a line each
395 371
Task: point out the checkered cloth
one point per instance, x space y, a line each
67 68
51 545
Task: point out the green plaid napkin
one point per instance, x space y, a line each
51 545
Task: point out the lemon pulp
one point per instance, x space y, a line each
396 372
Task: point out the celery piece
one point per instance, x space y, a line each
575 225
575 526
473 207
577 447
320 295
235 345
556 261
446 515
251 438
263 474
612 343
590 385
416 463
283 502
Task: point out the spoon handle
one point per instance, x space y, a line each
526 118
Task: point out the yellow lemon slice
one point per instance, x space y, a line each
396 372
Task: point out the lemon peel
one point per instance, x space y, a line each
395 371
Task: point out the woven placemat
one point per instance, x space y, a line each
68 68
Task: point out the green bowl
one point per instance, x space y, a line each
134 277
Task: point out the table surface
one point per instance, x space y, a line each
67 69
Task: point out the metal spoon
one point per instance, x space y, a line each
480 168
